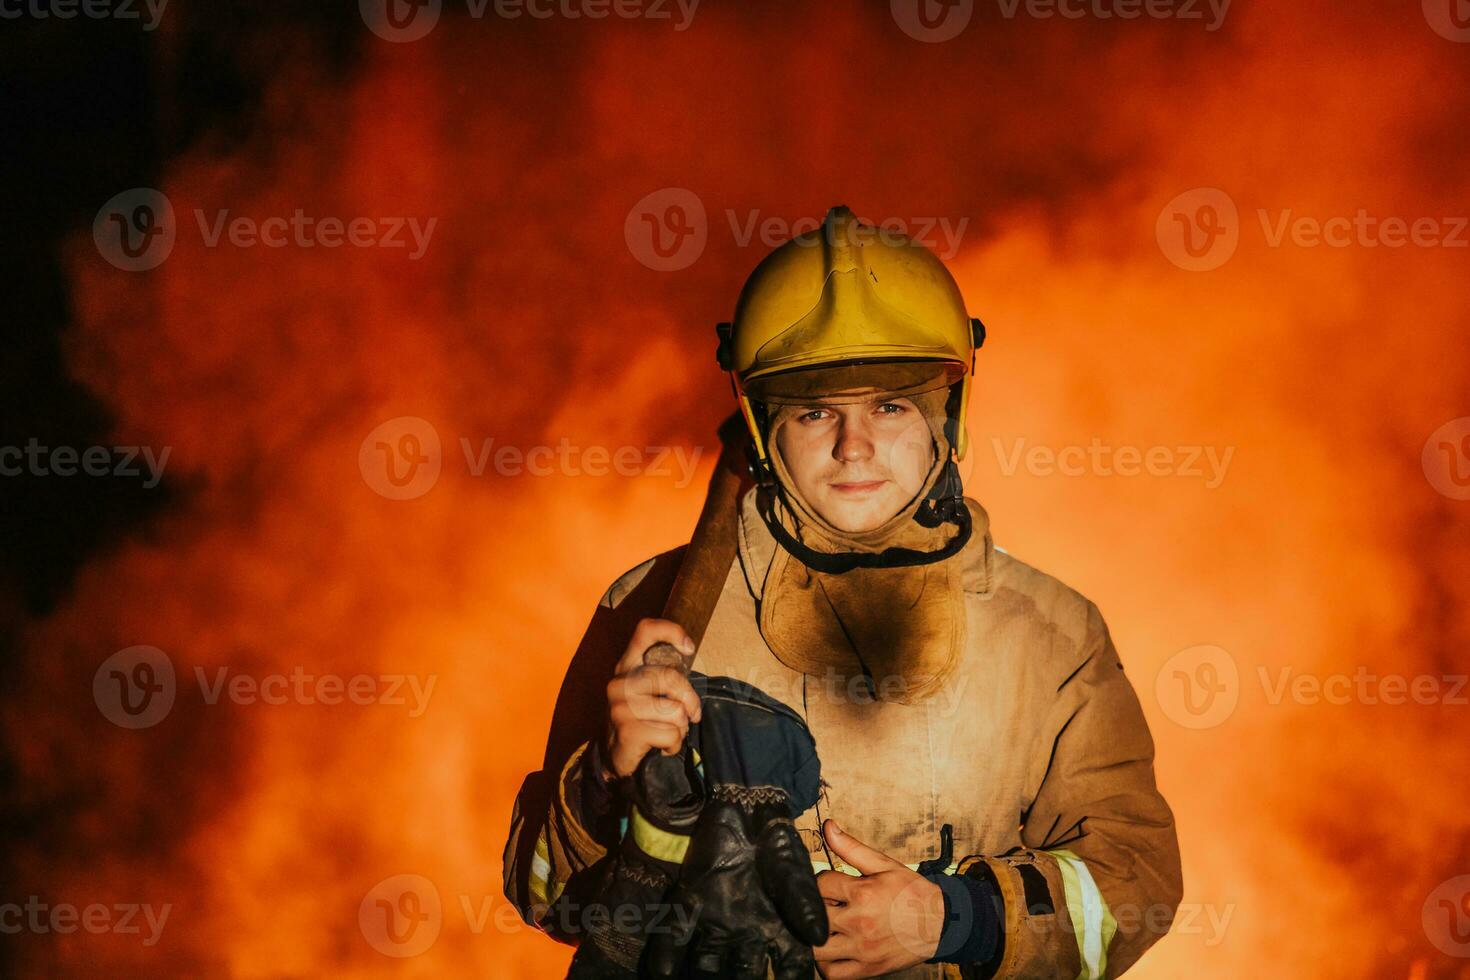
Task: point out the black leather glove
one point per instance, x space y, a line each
748 881
667 797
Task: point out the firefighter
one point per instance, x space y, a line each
987 801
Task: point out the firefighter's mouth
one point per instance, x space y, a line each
857 487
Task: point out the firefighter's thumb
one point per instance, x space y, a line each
855 852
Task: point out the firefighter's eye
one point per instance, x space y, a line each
814 415
890 408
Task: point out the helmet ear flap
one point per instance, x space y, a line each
760 460
724 355
954 417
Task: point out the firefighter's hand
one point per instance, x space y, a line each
648 707
888 919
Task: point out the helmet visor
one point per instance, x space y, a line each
856 381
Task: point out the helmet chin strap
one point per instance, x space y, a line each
944 504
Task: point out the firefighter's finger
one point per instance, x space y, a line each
846 970
628 713
654 735
835 886
668 947
838 946
793 961
655 710
786 875
748 959
708 959
664 684
646 634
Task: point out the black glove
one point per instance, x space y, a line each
747 878
667 796
748 881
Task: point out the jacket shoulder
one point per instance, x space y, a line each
1054 605
646 583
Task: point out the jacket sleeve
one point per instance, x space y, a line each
1097 880
565 821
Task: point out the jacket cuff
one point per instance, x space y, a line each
571 810
595 794
973 913
1037 937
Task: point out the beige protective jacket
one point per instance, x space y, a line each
1038 755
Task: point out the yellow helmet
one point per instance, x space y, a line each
843 295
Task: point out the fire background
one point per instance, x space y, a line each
1222 257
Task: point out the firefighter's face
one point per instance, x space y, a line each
858 463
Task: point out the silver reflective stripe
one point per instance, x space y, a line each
1092 920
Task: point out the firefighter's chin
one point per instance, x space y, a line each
856 504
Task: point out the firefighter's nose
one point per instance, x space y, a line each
854 442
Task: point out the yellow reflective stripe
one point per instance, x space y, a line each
540 869
1092 920
656 843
